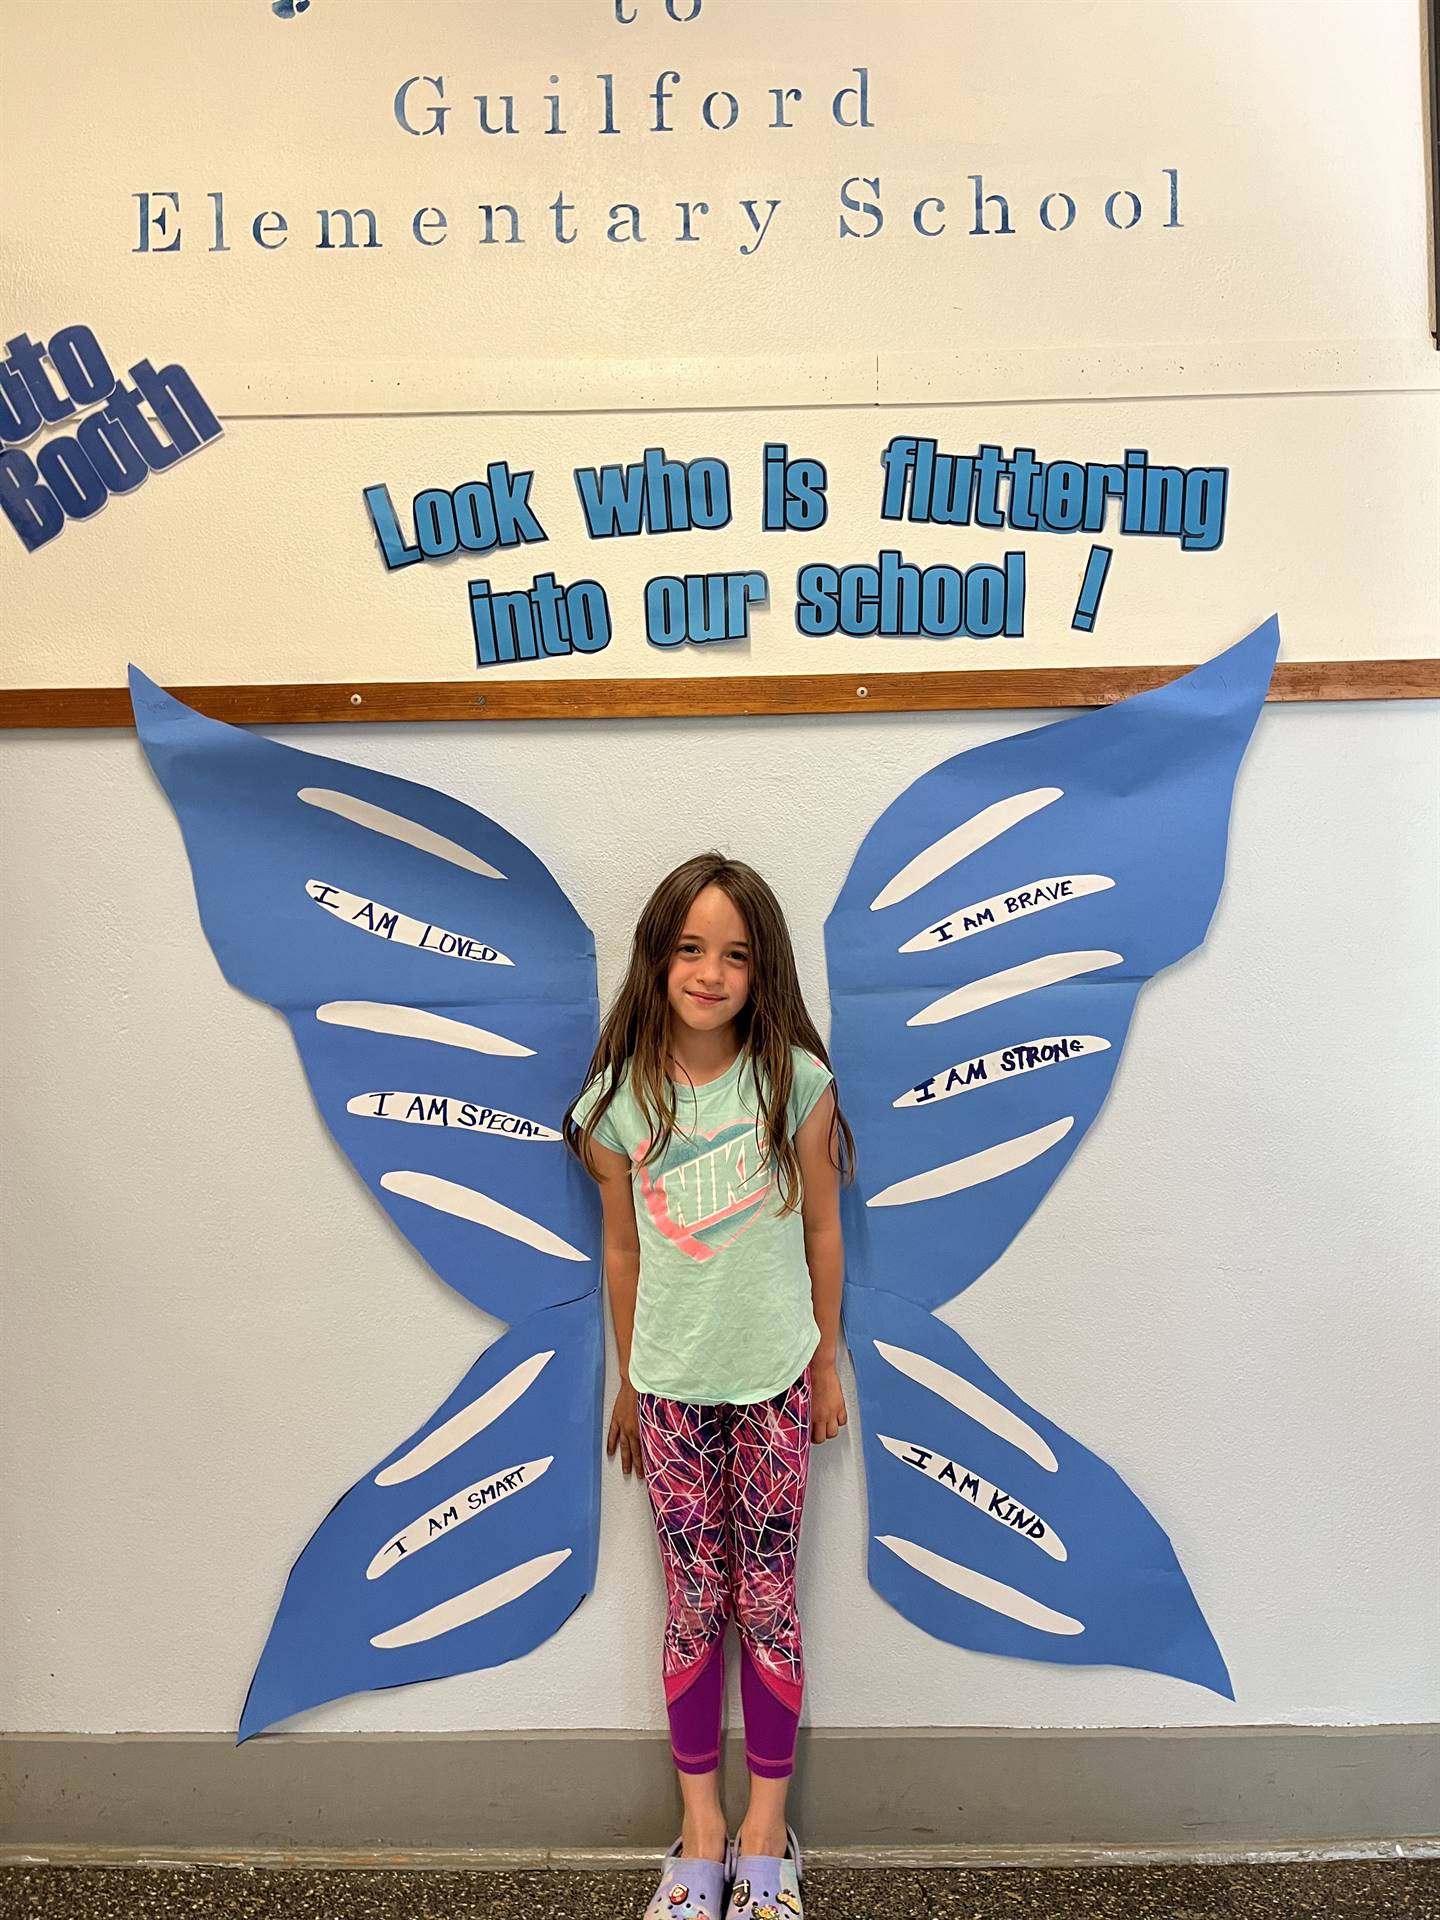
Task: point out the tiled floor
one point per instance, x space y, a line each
1347 1890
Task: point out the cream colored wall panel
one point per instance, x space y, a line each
255 560
1274 149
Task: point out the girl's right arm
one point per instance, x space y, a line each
622 1278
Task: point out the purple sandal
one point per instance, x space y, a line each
690 1889
764 1887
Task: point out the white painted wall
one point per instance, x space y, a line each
210 1330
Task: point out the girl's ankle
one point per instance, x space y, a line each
704 1838
763 1844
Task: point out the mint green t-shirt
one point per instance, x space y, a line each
723 1310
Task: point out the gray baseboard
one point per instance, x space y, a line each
933 1793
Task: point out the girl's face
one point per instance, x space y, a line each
709 978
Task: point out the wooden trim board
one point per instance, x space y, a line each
711 697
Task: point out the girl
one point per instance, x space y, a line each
710 1122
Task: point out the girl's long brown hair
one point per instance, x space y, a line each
636 1031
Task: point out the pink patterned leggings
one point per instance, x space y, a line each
727 1489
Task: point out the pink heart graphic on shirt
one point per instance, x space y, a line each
707 1202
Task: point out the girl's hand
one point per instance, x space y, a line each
625 1431
827 1402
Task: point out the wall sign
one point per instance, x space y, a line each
142 429
628 351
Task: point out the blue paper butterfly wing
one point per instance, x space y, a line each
465 1548
1035 884
441 990
992 1528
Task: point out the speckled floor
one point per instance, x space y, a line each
1346 1890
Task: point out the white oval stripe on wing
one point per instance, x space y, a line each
1016 903
987 1069
448 1110
463 1425
961 841
982 1494
473 1603
990 1163
448 1514
1047 971
415 1023
395 826
979 1587
468 1203
971 1400
402 929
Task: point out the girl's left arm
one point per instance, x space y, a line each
825 1257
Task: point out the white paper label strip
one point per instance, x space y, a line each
980 1588
444 1110
395 826
1026 1056
971 1400
960 842
416 1023
386 923
468 1203
473 1604
454 1512
1048 971
982 1494
991 1163
466 1422
1001 908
